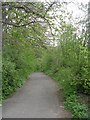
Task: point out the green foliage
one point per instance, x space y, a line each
66 79
68 64
26 49
0 77
79 110
18 61
71 59
10 78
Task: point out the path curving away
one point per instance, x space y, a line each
38 98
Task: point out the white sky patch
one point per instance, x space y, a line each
73 7
83 1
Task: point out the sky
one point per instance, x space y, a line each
84 1
72 6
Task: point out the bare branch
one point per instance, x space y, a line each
50 7
16 25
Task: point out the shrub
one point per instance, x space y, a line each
79 110
10 78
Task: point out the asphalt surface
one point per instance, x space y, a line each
0 112
37 98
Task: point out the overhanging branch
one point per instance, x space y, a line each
16 25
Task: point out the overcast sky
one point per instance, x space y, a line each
72 7
84 1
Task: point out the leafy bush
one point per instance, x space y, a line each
66 79
0 77
79 110
10 78
16 72
68 64
18 62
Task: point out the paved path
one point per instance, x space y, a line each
0 112
38 98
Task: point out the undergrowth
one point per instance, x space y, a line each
72 103
78 110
